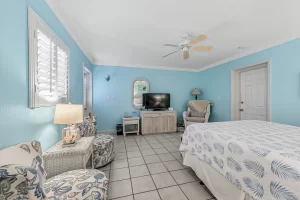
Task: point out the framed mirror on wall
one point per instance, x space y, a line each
139 87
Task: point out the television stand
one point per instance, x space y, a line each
158 122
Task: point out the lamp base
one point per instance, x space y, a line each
196 97
69 131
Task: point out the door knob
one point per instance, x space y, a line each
241 110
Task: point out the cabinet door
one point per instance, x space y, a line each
156 125
164 124
172 124
147 124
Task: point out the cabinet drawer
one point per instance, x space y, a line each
131 122
168 114
151 115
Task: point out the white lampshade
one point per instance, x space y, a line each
68 114
196 91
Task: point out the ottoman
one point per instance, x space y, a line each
103 152
78 184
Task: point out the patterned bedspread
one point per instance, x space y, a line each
260 158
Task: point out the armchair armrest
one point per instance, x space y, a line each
34 147
184 115
20 182
207 114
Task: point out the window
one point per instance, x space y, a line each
48 65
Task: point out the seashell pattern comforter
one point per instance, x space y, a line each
261 158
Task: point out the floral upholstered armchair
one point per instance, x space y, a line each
26 179
103 151
87 127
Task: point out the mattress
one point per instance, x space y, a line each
260 158
221 188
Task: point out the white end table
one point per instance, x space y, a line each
60 159
131 121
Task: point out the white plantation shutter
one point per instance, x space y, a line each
49 65
45 63
62 72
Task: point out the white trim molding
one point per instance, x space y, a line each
249 52
63 18
99 64
235 88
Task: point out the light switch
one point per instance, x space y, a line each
108 98
219 98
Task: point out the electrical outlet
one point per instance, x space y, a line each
114 98
219 98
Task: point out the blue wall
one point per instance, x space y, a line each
18 123
109 112
285 83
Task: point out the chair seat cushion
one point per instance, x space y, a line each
195 119
196 114
78 184
103 150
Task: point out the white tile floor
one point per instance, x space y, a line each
150 168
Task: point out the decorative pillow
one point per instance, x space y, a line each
196 114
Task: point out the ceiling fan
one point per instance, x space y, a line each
187 44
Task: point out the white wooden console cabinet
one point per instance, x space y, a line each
158 121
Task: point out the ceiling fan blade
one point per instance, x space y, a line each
169 54
202 48
186 55
197 39
170 45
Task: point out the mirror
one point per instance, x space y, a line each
140 86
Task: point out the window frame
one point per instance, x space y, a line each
35 22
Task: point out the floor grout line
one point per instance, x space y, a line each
133 140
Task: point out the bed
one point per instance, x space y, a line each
245 160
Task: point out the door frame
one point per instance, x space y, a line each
235 88
86 70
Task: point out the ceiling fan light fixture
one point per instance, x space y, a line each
186 54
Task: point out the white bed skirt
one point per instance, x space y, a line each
221 188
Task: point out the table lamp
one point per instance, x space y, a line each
68 114
196 92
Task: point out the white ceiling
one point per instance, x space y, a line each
132 32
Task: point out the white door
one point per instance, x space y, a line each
254 94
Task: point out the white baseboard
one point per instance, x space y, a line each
113 132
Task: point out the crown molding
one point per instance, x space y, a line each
101 64
55 4
247 53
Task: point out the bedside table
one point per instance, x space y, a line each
60 159
133 122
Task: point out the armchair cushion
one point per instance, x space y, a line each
196 114
20 182
22 166
78 184
195 119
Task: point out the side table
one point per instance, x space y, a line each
131 125
60 159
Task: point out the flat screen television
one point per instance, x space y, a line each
156 101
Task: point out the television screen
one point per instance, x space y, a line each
156 100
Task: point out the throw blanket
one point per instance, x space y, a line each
198 105
260 158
